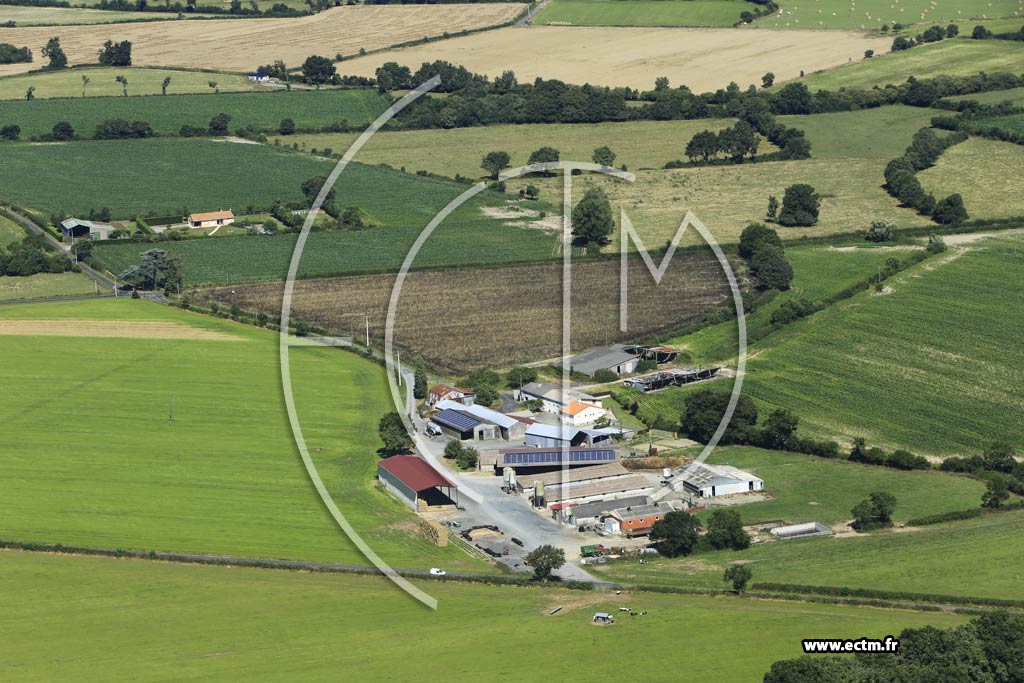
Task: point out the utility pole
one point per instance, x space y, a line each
170 415
400 374
367 316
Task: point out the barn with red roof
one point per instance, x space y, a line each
416 483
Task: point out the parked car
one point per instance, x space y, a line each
437 571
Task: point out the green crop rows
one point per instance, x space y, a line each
168 114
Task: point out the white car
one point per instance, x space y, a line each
437 571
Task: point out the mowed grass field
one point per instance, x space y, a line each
10 231
984 172
728 198
959 57
46 285
637 144
933 366
718 13
308 109
806 488
205 624
162 176
971 558
703 59
141 81
92 458
1014 96
65 16
242 44
869 14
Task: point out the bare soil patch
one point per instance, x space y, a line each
241 44
124 329
459 320
703 59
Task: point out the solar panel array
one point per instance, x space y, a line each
456 420
545 456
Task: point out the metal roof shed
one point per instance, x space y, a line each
417 483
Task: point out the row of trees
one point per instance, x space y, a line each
11 54
679 533
987 649
901 180
110 54
932 34
31 255
736 142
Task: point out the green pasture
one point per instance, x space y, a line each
818 274
879 133
309 109
637 144
47 285
10 231
92 456
806 488
719 13
870 14
1014 96
134 620
976 557
986 173
67 16
959 57
141 81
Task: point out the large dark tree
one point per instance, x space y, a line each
771 268
317 70
725 530
55 53
950 210
116 54
495 162
800 206
703 146
219 124
592 219
704 411
545 560
392 432
754 235
156 270
393 76
676 534
603 156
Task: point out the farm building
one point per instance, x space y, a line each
416 483
477 422
596 489
708 481
637 520
613 358
554 458
548 436
551 396
579 413
670 378
443 392
210 219
589 513
75 227
259 77
576 474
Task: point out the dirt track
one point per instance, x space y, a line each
125 329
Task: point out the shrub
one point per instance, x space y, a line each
800 205
950 210
754 235
881 230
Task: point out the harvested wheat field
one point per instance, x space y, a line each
123 329
241 44
703 59
459 320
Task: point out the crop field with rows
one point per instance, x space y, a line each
168 114
163 176
463 319
945 382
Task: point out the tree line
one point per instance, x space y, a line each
901 180
987 649
31 255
